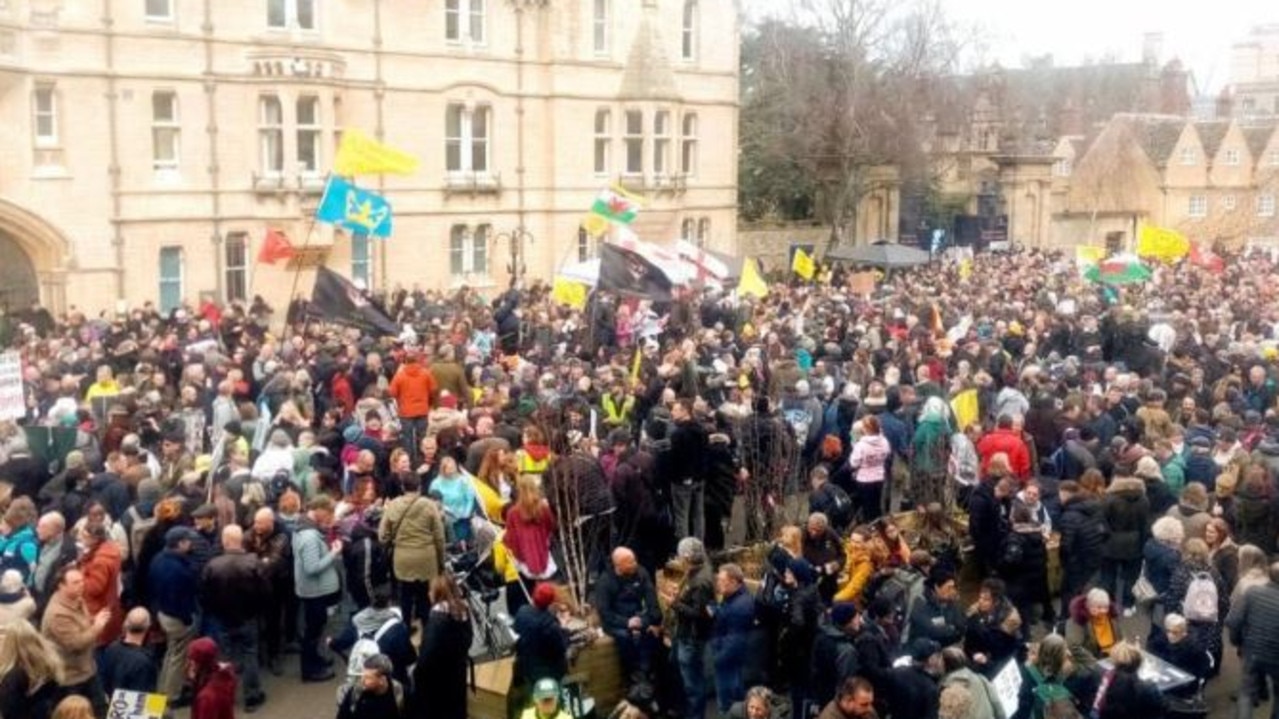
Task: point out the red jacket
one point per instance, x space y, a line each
1009 442
215 682
529 540
101 570
412 387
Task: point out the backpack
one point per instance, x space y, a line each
1200 604
139 526
901 589
11 556
799 421
366 646
841 506
1014 551
1052 700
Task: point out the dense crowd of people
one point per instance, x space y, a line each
978 468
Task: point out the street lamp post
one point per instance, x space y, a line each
515 242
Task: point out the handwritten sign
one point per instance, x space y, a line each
1007 685
13 400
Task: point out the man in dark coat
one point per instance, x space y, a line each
1083 538
233 591
1126 511
988 519
937 615
685 467
629 612
128 663
834 653
693 622
914 690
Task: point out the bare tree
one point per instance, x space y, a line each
841 88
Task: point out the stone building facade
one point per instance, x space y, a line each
150 144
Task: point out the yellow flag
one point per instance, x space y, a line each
595 225
966 408
569 293
802 264
359 154
965 268
635 364
1161 243
1086 255
751 283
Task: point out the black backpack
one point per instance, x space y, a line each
841 505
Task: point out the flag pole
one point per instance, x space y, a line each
297 271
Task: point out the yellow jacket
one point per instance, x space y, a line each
858 570
490 500
502 562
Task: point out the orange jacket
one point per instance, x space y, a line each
412 387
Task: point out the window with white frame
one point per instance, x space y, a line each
688 31
1063 167
1229 202
688 145
600 26
703 232
466 138
464 21
634 142
1189 156
309 132
1231 157
1266 205
170 278
603 141
45 104
159 10
361 261
661 141
688 230
290 14
584 245
468 250
1198 206
165 130
1273 158
236 266
271 134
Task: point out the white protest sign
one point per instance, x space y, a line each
13 396
136 705
1008 687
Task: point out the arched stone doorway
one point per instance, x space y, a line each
19 286
33 259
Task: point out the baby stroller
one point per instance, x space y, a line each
482 589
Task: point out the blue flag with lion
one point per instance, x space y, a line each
360 211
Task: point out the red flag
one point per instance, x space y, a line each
1205 258
276 247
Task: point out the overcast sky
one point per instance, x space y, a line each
1200 32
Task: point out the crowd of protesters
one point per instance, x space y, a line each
190 497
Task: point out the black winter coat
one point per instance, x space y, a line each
834 660
1127 514
439 677
1160 497
1024 567
1255 520
542 647
1083 536
987 522
913 693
